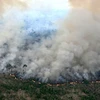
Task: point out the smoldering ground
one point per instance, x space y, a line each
72 53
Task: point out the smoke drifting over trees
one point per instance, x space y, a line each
73 53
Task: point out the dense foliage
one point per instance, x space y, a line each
18 89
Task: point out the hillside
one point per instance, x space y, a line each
12 88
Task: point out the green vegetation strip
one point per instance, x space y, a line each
16 89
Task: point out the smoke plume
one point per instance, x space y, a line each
72 53
92 5
7 4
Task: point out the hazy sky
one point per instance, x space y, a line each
50 4
44 12
41 13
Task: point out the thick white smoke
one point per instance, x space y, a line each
73 53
